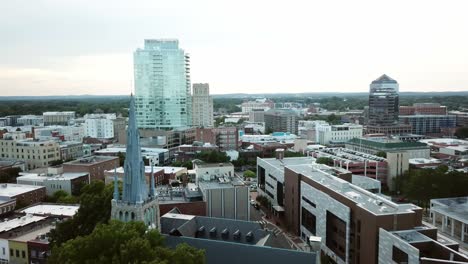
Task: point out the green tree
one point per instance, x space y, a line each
95 208
324 160
382 154
212 156
56 162
119 242
462 132
9 175
249 174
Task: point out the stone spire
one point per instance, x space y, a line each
116 185
135 189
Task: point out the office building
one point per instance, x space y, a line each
202 105
373 145
138 201
337 134
226 138
345 216
58 118
162 85
70 150
431 125
383 108
281 120
60 133
257 115
36 153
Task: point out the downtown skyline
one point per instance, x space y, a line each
83 47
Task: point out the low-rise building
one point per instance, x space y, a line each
337 134
30 120
36 153
162 175
281 120
450 215
374 145
7 205
71 182
225 195
359 163
46 209
70 150
226 138
94 165
447 148
424 163
60 133
259 104
24 194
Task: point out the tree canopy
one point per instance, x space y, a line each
249 174
212 156
95 208
119 242
421 185
324 160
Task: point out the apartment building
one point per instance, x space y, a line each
36 153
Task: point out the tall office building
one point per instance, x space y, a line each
162 85
383 101
384 108
202 105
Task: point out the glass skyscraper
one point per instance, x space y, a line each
162 85
383 102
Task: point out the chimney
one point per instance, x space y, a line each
279 154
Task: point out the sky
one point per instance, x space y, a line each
73 47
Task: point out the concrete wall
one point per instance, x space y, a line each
228 203
386 243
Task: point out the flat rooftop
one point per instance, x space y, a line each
281 163
371 202
444 141
456 208
144 151
42 177
90 160
11 189
419 161
386 143
214 165
34 234
167 169
52 209
348 155
19 222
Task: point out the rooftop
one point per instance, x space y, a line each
11 189
167 169
19 222
363 198
444 141
386 143
52 209
347 155
42 177
456 208
420 161
34 234
90 160
144 151
214 165
384 79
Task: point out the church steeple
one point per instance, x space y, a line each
152 191
135 189
116 185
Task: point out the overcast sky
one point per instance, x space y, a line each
62 47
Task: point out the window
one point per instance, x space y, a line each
17 253
309 202
3 250
33 253
23 254
308 221
399 256
11 253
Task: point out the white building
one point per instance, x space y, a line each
306 128
58 118
68 133
70 182
99 125
327 134
30 120
202 105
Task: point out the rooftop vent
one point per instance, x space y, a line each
201 230
174 232
249 237
237 235
213 232
225 233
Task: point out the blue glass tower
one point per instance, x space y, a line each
138 202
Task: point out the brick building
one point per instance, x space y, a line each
95 166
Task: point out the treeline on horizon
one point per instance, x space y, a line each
119 105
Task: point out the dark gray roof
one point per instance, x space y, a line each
384 79
217 251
